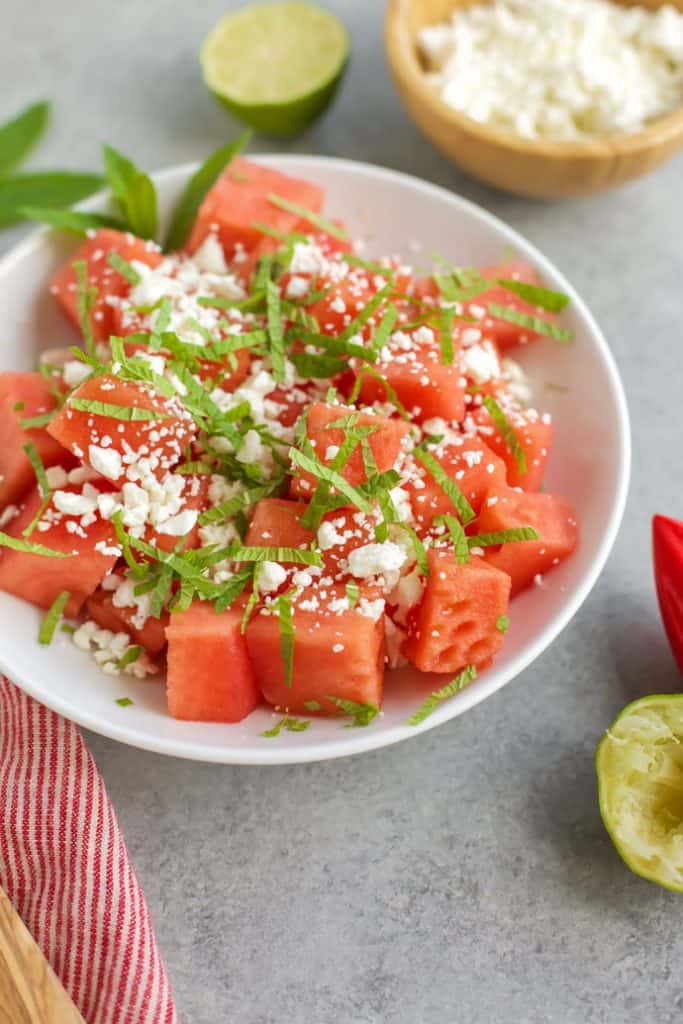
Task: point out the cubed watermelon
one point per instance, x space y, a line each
93 549
209 676
100 275
552 516
502 331
326 440
275 522
101 609
335 655
534 433
471 465
239 201
456 624
31 392
110 444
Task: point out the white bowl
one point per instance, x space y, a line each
590 464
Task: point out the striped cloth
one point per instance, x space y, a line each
65 867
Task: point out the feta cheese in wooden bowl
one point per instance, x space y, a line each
543 97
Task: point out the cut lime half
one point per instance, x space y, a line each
639 762
276 66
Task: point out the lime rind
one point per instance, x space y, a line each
276 66
639 764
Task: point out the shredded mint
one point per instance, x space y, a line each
290 724
352 595
287 636
129 657
86 297
506 431
294 556
489 540
531 323
124 702
129 413
321 223
362 714
448 486
446 335
460 542
544 298
123 267
503 623
49 623
432 702
29 548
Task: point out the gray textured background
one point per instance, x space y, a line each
465 875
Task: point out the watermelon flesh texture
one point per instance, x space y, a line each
161 440
209 675
552 516
16 472
455 624
424 385
385 444
239 200
535 435
471 465
101 609
101 276
39 578
335 655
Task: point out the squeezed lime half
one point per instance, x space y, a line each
276 66
639 762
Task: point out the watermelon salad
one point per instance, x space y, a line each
272 469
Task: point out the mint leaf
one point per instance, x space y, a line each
44 189
449 690
76 222
20 135
49 624
133 191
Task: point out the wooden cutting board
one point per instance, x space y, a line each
30 992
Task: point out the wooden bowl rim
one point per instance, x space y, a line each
404 63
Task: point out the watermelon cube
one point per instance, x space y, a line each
209 676
336 654
32 392
534 433
456 623
89 541
239 200
552 516
101 609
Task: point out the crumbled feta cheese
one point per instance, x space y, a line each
75 372
298 287
180 524
376 559
210 257
106 461
271 576
558 69
72 504
480 362
252 449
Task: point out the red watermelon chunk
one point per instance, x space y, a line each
385 444
335 655
239 200
100 275
456 623
119 443
101 609
276 523
552 516
471 465
425 385
209 676
504 333
92 546
534 433
32 392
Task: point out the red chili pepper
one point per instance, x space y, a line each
667 544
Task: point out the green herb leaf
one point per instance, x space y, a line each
503 623
362 714
321 223
287 636
489 540
506 431
432 702
86 297
196 189
28 548
20 135
292 556
418 548
386 326
275 336
544 298
312 705
231 590
49 623
311 464
123 702
34 422
38 468
244 499
460 543
371 266
531 323
353 595
123 267
290 724
130 414
366 313
447 317
317 367
448 486
129 657
43 188
134 192
76 222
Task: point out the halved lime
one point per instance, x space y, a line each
276 66
639 762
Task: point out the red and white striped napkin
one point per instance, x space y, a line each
65 867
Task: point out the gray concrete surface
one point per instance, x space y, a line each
463 876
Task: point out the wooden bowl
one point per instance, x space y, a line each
525 167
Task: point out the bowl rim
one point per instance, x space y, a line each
405 66
362 740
